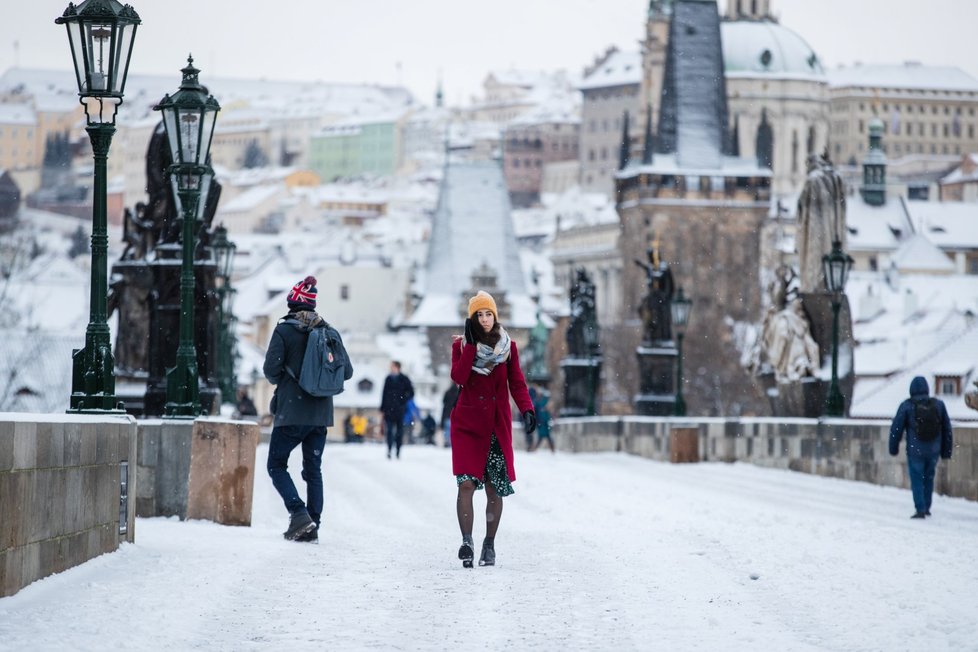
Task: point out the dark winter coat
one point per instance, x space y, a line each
904 421
483 410
294 407
398 390
448 400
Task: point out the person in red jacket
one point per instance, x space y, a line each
486 365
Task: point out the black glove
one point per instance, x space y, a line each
529 422
469 334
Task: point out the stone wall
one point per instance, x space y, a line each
61 492
840 448
202 468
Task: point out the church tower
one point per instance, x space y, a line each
654 57
704 206
873 189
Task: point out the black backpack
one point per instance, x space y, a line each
927 419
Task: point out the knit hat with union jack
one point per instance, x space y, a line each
303 294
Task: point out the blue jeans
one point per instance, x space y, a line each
921 480
283 442
395 434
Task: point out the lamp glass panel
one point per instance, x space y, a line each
172 133
98 40
209 119
189 128
125 35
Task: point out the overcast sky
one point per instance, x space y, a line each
413 41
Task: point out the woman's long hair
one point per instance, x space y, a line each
490 338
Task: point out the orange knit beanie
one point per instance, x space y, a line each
483 301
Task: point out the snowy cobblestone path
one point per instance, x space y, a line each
595 552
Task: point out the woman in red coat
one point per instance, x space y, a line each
487 367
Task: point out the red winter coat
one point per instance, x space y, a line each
483 409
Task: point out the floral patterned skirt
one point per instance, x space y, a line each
495 472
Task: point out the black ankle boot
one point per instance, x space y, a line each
466 552
488 557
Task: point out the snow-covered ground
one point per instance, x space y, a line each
595 552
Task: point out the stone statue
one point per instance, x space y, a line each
655 307
582 333
821 221
787 345
137 233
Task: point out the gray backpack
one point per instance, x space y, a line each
323 364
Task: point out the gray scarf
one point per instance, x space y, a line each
487 357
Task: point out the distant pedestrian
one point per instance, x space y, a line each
486 364
540 399
359 424
448 400
398 390
928 428
428 428
245 407
300 418
412 415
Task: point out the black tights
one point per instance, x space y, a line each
463 507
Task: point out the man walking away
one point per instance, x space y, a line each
397 391
928 429
300 418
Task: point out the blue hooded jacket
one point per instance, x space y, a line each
904 421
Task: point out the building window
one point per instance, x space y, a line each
873 264
345 292
948 385
590 155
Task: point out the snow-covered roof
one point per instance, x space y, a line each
753 48
17 114
949 225
876 228
910 75
522 78
277 99
472 227
918 254
958 175
619 69
953 356
250 198
728 166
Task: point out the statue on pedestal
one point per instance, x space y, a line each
821 221
582 333
654 309
787 346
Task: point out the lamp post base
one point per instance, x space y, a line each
92 379
182 389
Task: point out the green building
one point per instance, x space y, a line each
357 146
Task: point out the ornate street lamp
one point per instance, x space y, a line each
680 308
188 117
101 34
836 266
224 251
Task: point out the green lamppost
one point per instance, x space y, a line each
188 117
680 308
101 34
836 266
224 251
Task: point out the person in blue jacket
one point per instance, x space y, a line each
928 428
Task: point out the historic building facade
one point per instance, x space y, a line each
611 87
926 110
